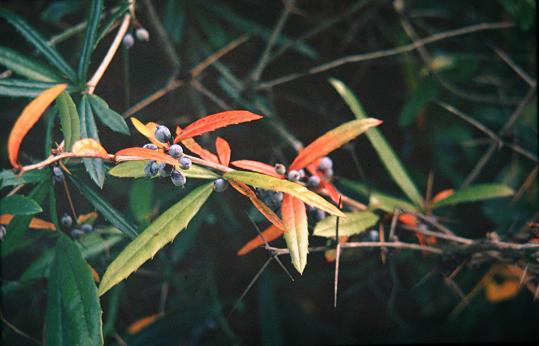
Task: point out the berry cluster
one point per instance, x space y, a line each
325 167
140 33
271 198
66 221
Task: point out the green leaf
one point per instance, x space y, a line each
106 209
141 200
88 129
69 118
23 88
296 190
474 193
10 178
73 314
19 205
108 117
162 231
377 199
94 14
19 224
25 66
354 223
382 147
135 169
35 38
109 22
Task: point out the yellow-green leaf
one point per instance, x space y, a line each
474 193
354 223
297 235
135 169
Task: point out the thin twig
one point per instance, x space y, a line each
531 82
18 331
168 48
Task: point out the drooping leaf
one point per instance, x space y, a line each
257 166
104 207
108 117
354 223
261 206
94 14
69 118
162 231
215 121
297 235
35 38
475 193
88 129
29 116
89 147
35 223
296 190
10 178
146 131
269 234
196 148
135 169
385 152
223 150
19 205
332 140
14 87
73 312
27 67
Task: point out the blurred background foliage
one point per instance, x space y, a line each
193 283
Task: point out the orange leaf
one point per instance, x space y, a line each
270 233
332 140
506 289
261 206
89 146
196 148
28 118
140 324
147 131
257 166
87 218
223 150
215 121
408 219
442 195
95 275
36 223
136 153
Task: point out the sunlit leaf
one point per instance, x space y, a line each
135 169
146 131
19 205
257 166
26 66
354 223
196 148
296 190
89 147
223 150
108 117
29 116
332 140
35 222
69 118
269 234
162 231
475 193
212 122
297 233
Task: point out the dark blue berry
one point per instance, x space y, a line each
177 178
151 169
128 41
185 162
373 235
293 175
162 133
313 181
325 163
57 174
165 170
176 151
280 168
76 233
87 228
3 232
66 221
220 185
320 214
150 146
301 173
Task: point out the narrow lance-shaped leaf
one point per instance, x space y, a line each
69 118
96 8
35 222
49 52
382 147
135 169
104 207
162 231
223 150
215 121
196 148
296 190
108 117
257 166
19 205
297 235
474 193
332 140
10 178
354 223
27 67
15 87
269 234
73 312
136 153
88 129
28 118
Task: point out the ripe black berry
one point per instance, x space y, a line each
165 170
57 174
176 151
325 163
128 41
151 169
162 134
66 221
76 233
280 168
150 146
185 162
313 181
177 178
87 228
293 175
220 185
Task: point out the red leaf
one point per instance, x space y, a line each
38 223
133 154
332 140
408 219
28 118
442 195
270 233
223 150
215 121
261 206
194 147
257 166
